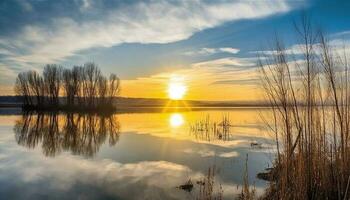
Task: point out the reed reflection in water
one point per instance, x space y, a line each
209 130
81 134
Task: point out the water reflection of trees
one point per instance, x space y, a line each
79 134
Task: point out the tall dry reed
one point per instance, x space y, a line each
309 92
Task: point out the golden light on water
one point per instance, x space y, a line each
176 89
176 120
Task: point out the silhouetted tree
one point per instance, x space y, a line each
92 75
36 86
52 78
102 89
86 84
22 87
114 87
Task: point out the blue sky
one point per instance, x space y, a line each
142 40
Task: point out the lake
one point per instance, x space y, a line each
130 155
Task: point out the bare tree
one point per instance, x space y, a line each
52 78
102 89
22 87
114 87
86 84
92 75
36 85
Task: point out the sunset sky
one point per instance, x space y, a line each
208 47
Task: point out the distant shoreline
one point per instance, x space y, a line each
125 103
16 109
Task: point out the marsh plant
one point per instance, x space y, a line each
209 189
207 129
309 91
248 191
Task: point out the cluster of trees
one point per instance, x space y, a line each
80 87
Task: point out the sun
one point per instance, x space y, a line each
176 91
176 88
176 120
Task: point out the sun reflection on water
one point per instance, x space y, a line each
176 120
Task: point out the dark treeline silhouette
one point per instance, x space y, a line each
81 134
82 88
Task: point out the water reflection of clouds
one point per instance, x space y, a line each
202 153
230 154
88 179
211 153
148 165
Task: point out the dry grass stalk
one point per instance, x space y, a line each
310 100
206 129
247 192
207 187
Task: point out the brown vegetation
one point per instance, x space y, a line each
207 190
248 191
310 97
208 130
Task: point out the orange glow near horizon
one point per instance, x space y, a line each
196 82
193 83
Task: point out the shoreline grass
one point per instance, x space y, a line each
313 143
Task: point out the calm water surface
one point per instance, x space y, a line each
127 156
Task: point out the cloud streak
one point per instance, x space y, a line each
339 42
154 22
208 51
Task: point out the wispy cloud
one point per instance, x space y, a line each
339 42
229 50
343 34
208 51
232 62
152 22
251 81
